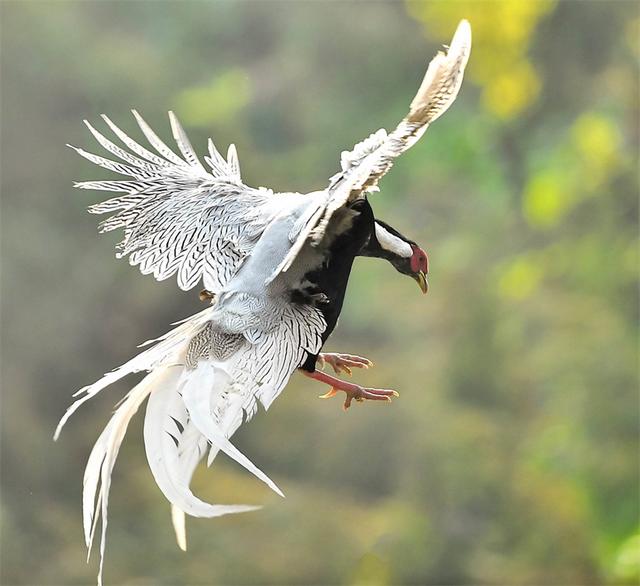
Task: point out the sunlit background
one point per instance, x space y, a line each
511 456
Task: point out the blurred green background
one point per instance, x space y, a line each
511 456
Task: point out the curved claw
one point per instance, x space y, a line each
343 368
332 392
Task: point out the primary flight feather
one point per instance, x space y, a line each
275 268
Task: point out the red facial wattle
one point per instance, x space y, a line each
419 260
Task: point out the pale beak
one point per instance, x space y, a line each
421 279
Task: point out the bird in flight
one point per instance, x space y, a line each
274 267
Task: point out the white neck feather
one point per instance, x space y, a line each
392 243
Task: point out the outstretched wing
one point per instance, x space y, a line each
177 216
370 159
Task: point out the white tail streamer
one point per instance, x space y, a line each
188 409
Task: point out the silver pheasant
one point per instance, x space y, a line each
263 259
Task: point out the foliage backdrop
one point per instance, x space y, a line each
511 456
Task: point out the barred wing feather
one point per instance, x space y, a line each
179 218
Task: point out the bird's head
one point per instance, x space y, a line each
404 254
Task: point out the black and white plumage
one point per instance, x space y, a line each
276 266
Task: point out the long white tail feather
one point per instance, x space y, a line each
192 445
189 409
173 461
179 525
232 421
101 463
167 424
195 388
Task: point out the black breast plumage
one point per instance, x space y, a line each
328 284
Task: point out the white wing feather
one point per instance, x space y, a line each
177 217
372 158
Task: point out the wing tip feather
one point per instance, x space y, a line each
443 79
462 36
176 127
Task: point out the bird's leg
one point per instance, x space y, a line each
343 362
352 391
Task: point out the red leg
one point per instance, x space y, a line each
343 362
352 391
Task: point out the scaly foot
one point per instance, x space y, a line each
352 391
343 362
